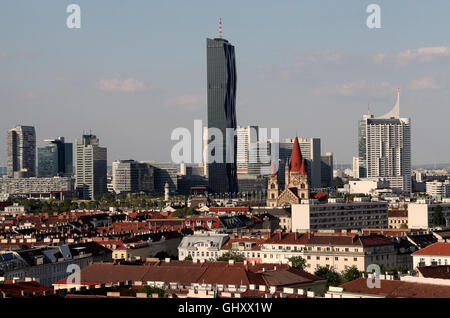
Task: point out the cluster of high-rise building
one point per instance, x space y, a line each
237 159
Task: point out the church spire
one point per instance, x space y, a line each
297 163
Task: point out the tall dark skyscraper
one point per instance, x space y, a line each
55 159
21 151
221 77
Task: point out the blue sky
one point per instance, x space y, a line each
137 69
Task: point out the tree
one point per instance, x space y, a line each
438 218
151 290
230 256
163 255
188 258
183 213
298 262
351 273
333 278
338 183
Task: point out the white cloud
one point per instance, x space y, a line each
427 82
127 85
188 101
420 55
376 89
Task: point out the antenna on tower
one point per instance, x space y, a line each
368 108
220 28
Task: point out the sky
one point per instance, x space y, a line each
136 70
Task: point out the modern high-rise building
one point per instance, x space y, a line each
164 172
253 153
221 86
310 149
131 176
356 167
327 170
385 148
90 167
55 159
21 144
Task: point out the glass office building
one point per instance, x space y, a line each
221 81
55 159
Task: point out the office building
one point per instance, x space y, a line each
90 167
164 172
385 148
129 176
21 152
253 152
55 159
221 87
326 172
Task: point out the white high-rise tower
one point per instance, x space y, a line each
385 148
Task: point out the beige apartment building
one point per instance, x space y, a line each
398 219
339 250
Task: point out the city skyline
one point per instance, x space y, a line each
128 89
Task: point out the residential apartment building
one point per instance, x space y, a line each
384 148
38 188
339 250
312 215
420 213
50 264
202 246
438 190
398 219
433 255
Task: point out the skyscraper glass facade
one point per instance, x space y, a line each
221 87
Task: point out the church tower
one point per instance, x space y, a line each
298 175
272 187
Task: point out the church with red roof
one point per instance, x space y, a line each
297 183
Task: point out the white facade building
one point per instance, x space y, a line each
202 246
438 189
385 148
367 186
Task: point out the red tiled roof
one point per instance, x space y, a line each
398 213
436 249
441 271
15 290
189 272
287 238
397 288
